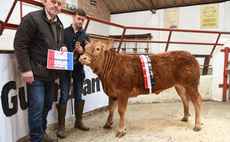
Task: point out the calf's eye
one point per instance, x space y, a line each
98 49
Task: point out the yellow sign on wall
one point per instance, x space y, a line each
209 16
171 18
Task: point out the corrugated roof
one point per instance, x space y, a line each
123 6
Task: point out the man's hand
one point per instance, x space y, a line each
28 77
63 49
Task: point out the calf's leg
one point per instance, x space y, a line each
195 97
122 105
112 106
182 93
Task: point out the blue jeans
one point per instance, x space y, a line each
40 97
78 80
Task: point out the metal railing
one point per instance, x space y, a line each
226 74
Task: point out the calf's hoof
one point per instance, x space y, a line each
106 126
196 129
120 133
61 134
184 119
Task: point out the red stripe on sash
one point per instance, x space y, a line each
144 71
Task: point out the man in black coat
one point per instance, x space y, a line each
74 36
39 31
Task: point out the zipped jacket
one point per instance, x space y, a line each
33 38
70 39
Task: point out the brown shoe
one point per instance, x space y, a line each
47 138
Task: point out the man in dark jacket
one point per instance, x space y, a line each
74 36
39 31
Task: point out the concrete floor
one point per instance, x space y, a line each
157 122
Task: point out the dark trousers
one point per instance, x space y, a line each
78 80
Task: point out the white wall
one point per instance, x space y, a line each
189 18
218 72
6 40
226 16
137 19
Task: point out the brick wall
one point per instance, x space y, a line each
99 11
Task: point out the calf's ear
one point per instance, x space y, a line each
109 43
86 42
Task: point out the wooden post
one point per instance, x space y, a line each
124 49
147 49
205 68
135 49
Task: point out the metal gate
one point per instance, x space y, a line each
225 84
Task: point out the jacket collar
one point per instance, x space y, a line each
80 30
49 17
45 16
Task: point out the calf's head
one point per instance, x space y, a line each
94 51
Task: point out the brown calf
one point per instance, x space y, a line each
122 77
